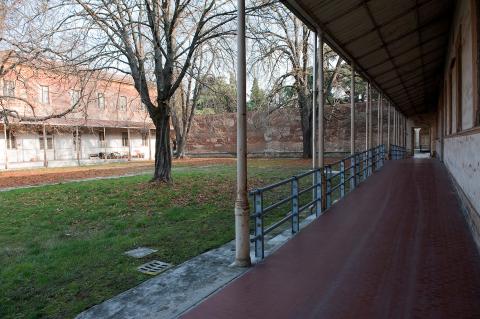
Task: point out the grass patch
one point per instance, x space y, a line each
61 246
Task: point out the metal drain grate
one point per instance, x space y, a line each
154 267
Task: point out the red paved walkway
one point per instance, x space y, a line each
397 247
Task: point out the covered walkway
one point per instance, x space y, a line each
396 247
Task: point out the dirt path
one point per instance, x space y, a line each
32 177
35 177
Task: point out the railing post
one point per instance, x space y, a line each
295 219
342 178
328 173
318 193
380 163
353 176
364 165
370 164
259 240
357 169
384 154
374 160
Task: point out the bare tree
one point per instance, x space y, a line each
282 43
153 41
24 57
186 100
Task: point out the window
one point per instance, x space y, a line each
459 109
125 139
8 88
101 101
74 97
451 97
145 139
49 141
122 102
44 94
11 140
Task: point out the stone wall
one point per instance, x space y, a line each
279 132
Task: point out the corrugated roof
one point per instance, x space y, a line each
398 45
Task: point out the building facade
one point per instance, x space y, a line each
104 120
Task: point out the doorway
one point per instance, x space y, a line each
421 142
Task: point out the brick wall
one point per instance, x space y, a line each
279 132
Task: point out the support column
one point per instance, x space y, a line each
380 128
442 132
105 143
6 143
45 145
352 129
129 145
388 128
77 146
394 129
320 102
314 102
367 97
401 129
320 97
370 118
379 106
53 144
242 232
150 144
352 111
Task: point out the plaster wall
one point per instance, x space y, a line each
462 158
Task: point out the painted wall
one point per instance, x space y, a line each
461 146
29 154
462 157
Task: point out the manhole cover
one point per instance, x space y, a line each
140 252
154 267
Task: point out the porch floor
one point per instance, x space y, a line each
396 247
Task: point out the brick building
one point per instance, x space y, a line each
108 121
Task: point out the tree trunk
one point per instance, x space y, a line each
306 123
163 154
181 142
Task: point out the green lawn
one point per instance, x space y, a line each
61 246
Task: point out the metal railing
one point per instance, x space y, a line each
397 152
313 191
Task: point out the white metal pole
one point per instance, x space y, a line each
401 129
379 105
45 145
367 93
242 232
105 143
320 78
77 146
6 143
388 127
149 144
314 102
352 111
394 126
129 145
370 117
380 142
